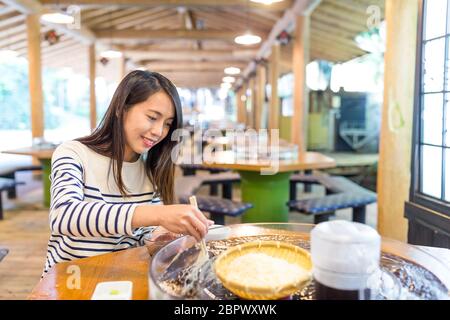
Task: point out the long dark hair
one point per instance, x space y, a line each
109 137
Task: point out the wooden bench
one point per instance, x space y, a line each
219 207
307 179
186 186
9 172
341 193
191 170
5 185
226 179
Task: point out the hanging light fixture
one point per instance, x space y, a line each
247 38
58 17
232 70
228 79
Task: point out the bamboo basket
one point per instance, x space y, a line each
291 253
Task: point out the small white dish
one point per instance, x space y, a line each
113 290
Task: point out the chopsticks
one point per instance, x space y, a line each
193 201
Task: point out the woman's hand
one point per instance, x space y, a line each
177 218
162 234
186 219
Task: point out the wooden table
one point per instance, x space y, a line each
269 193
44 155
133 265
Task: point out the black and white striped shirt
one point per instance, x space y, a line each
88 215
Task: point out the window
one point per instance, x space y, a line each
431 152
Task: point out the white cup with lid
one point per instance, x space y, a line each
345 255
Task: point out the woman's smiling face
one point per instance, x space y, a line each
147 123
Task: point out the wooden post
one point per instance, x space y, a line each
123 67
35 75
260 95
300 60
240 105
394 171
274 106
251 113
244 103
92 96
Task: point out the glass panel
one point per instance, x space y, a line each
431 171
435 18
433 69
447 175
432 118
447 126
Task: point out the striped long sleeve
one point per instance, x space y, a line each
88 215
72 215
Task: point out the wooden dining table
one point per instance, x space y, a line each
133 265
267 191
44 155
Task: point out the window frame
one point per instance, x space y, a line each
416 196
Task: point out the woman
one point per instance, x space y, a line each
104 187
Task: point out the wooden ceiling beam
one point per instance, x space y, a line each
342 54
12 30
107 19
210 55
12 20
332 31
6 10
210 45
226 21
349 5
335 42
150 22
281 6
88 15
339 22
122 16
253 20
299 7
167 34
34 7
191 66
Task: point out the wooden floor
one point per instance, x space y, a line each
25 232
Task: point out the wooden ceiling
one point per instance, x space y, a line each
191 41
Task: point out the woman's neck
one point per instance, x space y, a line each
130 156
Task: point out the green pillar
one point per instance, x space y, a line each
46 170
268 194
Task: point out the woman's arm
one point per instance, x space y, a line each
185 219
71 215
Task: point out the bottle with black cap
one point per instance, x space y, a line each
345 257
